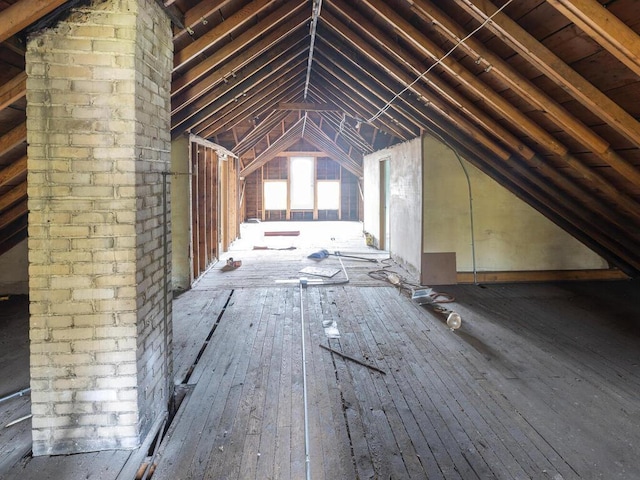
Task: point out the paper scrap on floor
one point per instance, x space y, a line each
320 272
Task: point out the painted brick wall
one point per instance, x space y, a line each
98 134
154 62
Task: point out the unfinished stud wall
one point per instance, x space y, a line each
98 134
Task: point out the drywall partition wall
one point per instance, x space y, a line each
404 202
180 214
14 270
509 234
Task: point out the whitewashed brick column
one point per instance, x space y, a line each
98 119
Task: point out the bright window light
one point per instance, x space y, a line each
328 195
275 195
302 179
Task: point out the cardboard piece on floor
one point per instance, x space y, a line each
320 272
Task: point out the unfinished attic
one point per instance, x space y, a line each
368 239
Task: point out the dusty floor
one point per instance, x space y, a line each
541 381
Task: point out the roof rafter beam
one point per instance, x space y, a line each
13 138
433 101
258 132
514 144
13 213
332 61
553 67
372 83
20 15
217 33
230 113
367 105
288 138
308 107
320 140
346 106
13 234
216 99
200 13
517 119
214 69
527 90
13 171
317 7
13 196
348 132
605 28
292 93
13 90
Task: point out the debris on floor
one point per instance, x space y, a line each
320 272
319 255
355 360
231 264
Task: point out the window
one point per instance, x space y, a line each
275 195
328 195
302 183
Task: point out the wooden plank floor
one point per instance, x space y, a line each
15 441
541 381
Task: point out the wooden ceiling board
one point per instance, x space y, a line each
572 150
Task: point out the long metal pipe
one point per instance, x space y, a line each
21 393
165 290
307 446
317 6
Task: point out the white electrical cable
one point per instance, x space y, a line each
438 62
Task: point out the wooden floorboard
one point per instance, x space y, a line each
197 317
15 441
495 399
540 382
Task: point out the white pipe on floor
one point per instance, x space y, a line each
307 454
17 394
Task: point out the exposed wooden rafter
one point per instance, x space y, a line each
544 98
549 63
605 28
20 15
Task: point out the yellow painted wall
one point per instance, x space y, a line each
180 214
509 234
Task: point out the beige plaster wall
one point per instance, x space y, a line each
180 214
509 234
405 204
